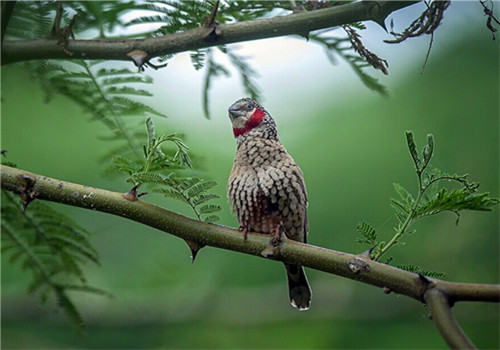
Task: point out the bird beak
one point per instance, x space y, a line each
235 112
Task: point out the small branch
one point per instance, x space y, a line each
427 23
355 267
491 18
446 323
297 23
470 291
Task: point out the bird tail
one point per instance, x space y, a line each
298 287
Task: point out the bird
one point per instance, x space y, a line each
266 188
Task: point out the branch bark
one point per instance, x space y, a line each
448 327
298 23
351 266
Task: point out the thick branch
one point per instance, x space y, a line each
446 323
347 265
298 23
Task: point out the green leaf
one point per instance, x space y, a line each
212 218
404 194
106 72
69 308
199 187
428 150
369 235
413 149
418 269
151 132
198 58
75 246
127 79
209 208
213 69
127 90
86 288
202 198
171 193
455 201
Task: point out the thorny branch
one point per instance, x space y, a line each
356 267
295 23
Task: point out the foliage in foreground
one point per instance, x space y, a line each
431 198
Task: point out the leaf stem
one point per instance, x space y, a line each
402 228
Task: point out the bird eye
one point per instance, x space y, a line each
249 106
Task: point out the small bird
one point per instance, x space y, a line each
266 188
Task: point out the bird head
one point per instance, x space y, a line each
249 117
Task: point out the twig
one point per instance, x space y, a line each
427 23
211 20
428 49
446 323
491 17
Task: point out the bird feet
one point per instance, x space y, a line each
244 229
277 235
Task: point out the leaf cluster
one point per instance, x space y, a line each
157 167
52 247
343 47
105 93
431 198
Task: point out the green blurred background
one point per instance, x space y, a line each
350 145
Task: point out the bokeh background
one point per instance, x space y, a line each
350 144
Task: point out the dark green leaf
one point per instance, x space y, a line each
413 149
209 208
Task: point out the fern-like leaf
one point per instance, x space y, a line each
51 246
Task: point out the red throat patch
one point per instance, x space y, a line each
251 123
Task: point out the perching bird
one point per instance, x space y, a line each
266 188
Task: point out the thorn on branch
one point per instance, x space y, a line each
212 25
305 35
210 22
132 194
367 253
63 34
194 247
141 59
491 17
28 194
424 279
375 61
387 290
